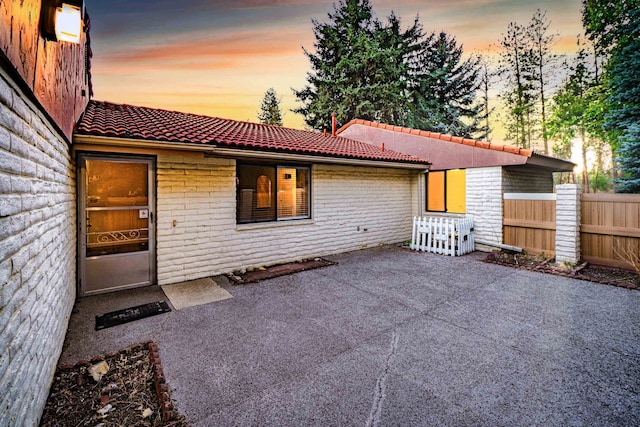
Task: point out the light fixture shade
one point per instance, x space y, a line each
68 23
61 20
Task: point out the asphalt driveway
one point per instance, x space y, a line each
392 337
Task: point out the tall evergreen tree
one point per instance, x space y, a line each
624 116
517 68
544 62
270 109
444 89
487 75
336 64
364 68
614 26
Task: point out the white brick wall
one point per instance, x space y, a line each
568 218
484 203
526 179
199 195
37 254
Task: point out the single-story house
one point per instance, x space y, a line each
466 176
165 196
96 196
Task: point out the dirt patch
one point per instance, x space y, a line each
585 271
132 392
262 273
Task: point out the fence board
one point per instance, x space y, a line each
610 227
530 224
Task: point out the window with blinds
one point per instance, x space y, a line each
272 192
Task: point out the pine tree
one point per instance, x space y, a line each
487 75
624 116
270 109
517 68
364 68
544 62
335 64
444 89
614 27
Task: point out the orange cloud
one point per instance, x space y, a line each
223 50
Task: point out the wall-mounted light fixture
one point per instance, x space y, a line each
61 20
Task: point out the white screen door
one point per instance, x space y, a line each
116 212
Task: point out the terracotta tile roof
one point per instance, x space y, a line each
132 122
456 139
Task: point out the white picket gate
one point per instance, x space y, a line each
447 236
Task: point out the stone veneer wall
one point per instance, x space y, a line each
37 254
484 203
199 195
568 219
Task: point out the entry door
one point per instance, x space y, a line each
117 238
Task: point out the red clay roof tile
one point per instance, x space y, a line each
132 122
511 149
467 141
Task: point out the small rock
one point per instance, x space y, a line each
104 399
147 413
250 269
237 278
109 387
261 268
98 370
105 409
317 259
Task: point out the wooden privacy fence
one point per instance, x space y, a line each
447 236
610 229
529 222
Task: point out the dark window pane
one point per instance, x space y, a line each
256 193
269 193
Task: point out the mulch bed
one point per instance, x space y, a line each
132 392
262 273
585 271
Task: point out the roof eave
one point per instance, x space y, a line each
557 165
215 151
114 141
271 155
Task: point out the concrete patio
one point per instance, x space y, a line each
391 337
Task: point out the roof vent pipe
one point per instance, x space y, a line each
333 124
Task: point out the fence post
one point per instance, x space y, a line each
568 223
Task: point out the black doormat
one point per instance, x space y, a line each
127 315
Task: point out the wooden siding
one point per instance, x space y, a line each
610 225
530 224
53 71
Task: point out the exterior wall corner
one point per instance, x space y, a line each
568 218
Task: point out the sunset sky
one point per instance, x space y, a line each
219 57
